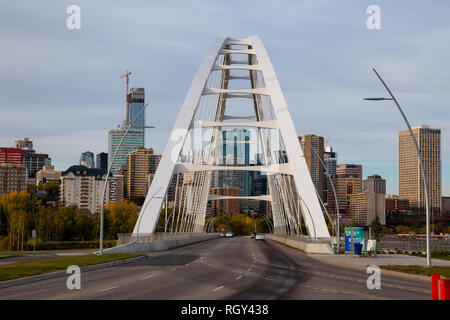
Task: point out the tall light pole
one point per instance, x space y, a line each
102 209
338 220
424 175
312 220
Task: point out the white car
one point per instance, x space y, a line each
260 236
229 234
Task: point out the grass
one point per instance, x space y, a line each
440 254
443 271
31 268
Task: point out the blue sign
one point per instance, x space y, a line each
358 236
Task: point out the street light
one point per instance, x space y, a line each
102 210
424 176
312 220
338 222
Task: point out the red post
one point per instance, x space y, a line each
445 289
435 286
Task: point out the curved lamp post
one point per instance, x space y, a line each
424 176
338 222
312 220
268 223
102 210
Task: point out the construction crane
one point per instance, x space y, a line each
127 75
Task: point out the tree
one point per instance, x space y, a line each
121 217
85 225
402 229
241 224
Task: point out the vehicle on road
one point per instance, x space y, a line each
260 236
229 234
253 235
222 234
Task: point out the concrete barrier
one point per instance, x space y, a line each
308 247
134 247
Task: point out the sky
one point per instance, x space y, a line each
62 89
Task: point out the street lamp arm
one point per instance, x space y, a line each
424 175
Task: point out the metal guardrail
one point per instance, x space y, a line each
416 245
124 238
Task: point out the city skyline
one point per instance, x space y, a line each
66 113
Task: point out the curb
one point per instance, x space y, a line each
55 274
385 271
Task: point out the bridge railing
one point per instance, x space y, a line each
124 238
304 238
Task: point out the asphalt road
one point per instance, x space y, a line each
236 268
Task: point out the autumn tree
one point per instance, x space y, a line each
121 216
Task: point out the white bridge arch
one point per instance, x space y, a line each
292 194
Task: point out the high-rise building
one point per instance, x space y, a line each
374 184
24 144
366 207
225 207
347 181
47 174
445 206
140 169
312 147
12 155
132 141
330 161
34 162
411 184
369 204
136 102
102 161
135 137
87 159
235 152
30 159
83 187
13 178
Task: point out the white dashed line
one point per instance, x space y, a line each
249 269
110 288
149 276
173 269
218 288
240 276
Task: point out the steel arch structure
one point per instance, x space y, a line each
292 194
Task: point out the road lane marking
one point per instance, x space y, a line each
218 288
110 288
149 276
173 269
249 269
240 276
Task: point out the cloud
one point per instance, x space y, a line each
62 88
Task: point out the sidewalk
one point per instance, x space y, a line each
380 260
